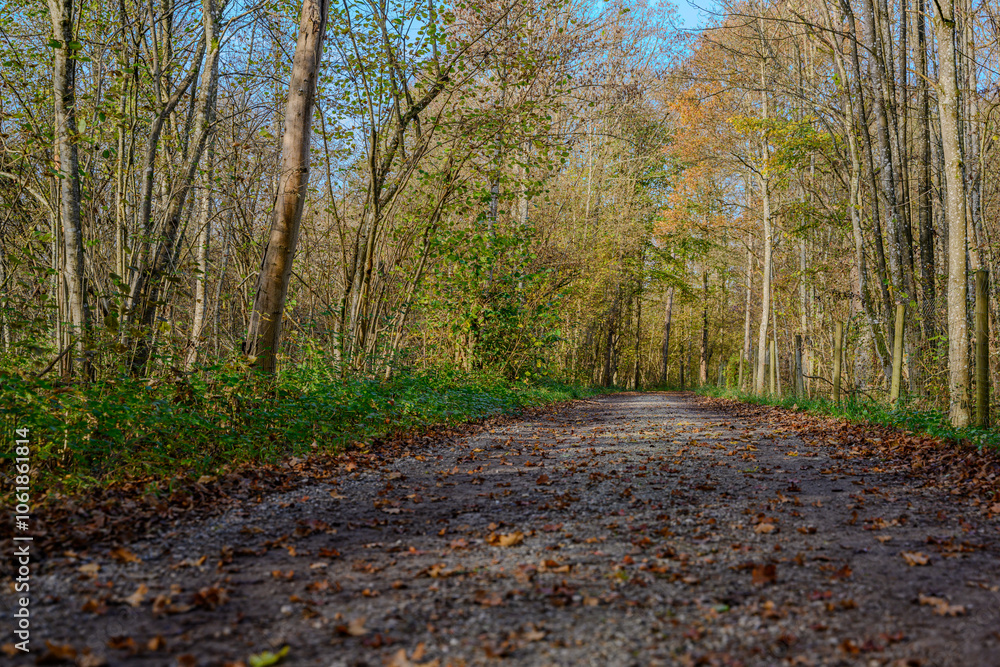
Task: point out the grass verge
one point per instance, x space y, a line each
90 435
864 410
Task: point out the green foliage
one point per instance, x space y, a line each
866 410
92 434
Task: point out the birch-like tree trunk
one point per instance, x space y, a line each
264 330
204 238
958 328
64 95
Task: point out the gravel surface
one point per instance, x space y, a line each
633 529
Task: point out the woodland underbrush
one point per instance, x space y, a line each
92 434
906 415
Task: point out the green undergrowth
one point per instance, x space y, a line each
87 435
905 416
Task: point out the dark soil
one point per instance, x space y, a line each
634 529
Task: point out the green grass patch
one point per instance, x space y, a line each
94 434
861 409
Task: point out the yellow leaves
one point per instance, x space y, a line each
267 658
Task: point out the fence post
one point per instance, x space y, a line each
982 350
897 354
800 388
838 353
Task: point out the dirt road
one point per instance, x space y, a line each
633 529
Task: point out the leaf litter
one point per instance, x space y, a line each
660 530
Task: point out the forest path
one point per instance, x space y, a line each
631 529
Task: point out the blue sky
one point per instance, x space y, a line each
693 13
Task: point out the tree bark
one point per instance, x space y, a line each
264 331
703 367
668 316
204 238
958 328
67 166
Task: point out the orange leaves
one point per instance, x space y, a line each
765 525
940 605
123 555
505 539
914 558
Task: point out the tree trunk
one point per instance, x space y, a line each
923 193
67 166
703 367
264 331
958 329
149 279
201 280
668 316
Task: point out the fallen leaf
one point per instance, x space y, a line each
57 652
136 598
914 558
765 528
210 598
90 569
123 555
765 574
266 659
941 606
488 598
505 539
157 643
91 660
354 628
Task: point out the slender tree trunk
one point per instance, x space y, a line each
958 328
149 281
765 307
204 238
264 331
668 316
638 338
703 367
925 212
64 95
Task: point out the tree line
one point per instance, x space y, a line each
551 188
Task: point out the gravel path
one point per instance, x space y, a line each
634 529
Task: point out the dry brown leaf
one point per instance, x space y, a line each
123 555
505 539
90 569
55 652
765 528
941 606
136 598
765 574
354 628
914 558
